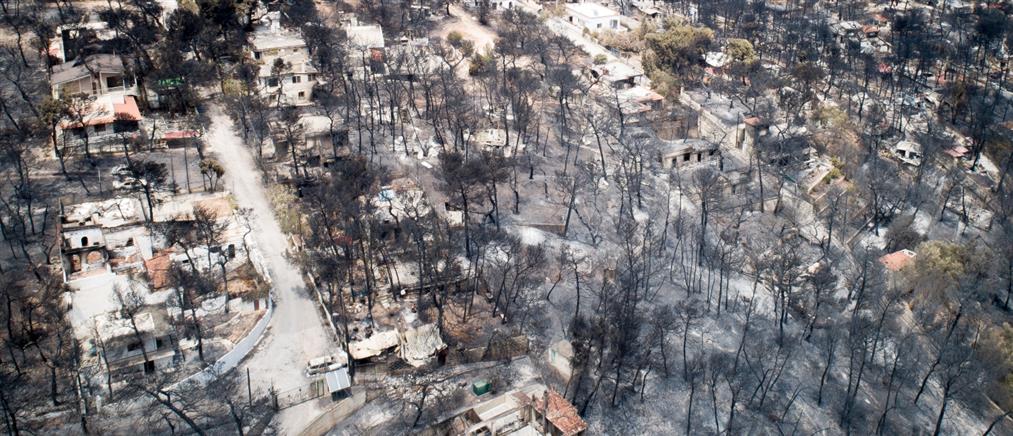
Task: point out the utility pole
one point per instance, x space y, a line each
249 390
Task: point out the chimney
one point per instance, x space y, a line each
545 412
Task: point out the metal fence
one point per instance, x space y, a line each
293 397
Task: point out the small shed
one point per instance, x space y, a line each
481 387
908 152
337 381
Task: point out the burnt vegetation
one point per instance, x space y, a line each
791 216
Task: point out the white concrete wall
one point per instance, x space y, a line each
74 238
291 85
231 359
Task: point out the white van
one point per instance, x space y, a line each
325 364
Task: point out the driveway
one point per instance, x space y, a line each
296 333
469 27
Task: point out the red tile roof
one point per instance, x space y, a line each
158 270
105 110
897 260
561 414
181 134
127 110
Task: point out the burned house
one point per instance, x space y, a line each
121 299
493 5
411 59
323 142
722 120
124 346
77 39
103 237
366 50
686 153
496 141
617 74
908 152
638 102
533 410
399 201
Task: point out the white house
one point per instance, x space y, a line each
92 76
494 5
121 345
101 124
69 39
592 16
293 79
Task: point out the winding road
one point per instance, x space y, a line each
296 333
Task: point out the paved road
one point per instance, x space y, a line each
296 333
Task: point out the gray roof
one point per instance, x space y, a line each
268 39
80 68
728 110
338 380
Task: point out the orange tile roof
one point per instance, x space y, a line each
105 110
127 110
158 270
897 260
561 414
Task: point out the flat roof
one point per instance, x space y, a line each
95 297
728 110
591 10
267 39
110 328
368 36
300 64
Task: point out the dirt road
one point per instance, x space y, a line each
296 333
